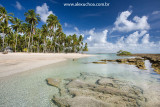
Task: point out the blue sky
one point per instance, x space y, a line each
132 25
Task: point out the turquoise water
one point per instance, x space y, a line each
29 89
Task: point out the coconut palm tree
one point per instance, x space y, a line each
24 27
37 38
58 35
16 27
52 23
32 18
80 40
44 34
4 29
85 47
4 18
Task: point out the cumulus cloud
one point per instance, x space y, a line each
76 29
97 38
43 11
19 6
134 36
136 42
145 39
122 23
132 39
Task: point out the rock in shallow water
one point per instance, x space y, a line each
53 82
99 62
139 62
91 90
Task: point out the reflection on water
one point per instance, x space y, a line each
30 88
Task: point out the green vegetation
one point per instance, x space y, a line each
123 53
26 37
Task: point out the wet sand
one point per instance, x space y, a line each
13 63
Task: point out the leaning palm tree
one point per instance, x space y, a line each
32 18
16 27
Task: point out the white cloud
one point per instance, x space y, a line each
136 42
122 23
43 11
155 12
96 38
145 39
76 29
18 5
132 39
65 24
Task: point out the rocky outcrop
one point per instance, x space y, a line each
139 62
153 58
91 90
99 62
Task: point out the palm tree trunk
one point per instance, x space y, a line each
44 46
38 44
31 36
25 42
38 47
3 42
16 41
32 44
29 43
3 39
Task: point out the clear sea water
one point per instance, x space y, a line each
29 89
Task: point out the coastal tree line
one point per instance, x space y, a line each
26 37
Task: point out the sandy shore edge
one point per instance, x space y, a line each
14 63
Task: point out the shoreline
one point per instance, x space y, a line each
14 63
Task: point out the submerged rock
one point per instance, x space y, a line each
91 90
53 82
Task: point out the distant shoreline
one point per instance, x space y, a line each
13 63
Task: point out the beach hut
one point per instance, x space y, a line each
8 49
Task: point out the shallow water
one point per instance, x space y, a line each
29 89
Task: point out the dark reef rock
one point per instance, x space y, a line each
139 62
153 58
91 90
99 62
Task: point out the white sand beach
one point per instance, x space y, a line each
13 63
